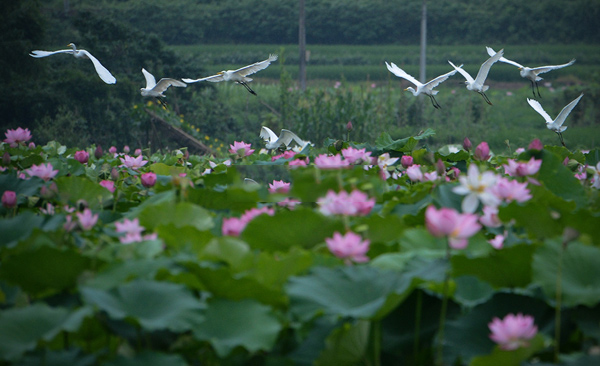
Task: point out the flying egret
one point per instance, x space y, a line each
477 83
286 138
239 75
104 74
531 73
154 89
555 125
426 88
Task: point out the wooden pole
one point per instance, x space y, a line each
302 46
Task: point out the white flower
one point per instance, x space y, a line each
476 186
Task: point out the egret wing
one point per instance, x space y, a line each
267 134
290 137
102 71
38 53
401 73
485 67
562 116
538 108
257 66
491 52
462 72
440 79
543 69
164 84
214 78
150 80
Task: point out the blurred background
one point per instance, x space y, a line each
61 98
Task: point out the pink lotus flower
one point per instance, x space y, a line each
69 223
324 161
16 137
490 217
513 331
279 186
477 187
298 162
86 219
482 152
250 214
520 169
349 126
497 242
430 176
82 156
129 226
49 210
448 222
234 226
133 163
9 199
108 184
509 190
148 179
414 173
536 145
112 150
286 155
241 149
406 161
353 155
137 152
290 203
126 149
98 152
44 171
356 203
349 247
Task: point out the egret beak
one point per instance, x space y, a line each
406 89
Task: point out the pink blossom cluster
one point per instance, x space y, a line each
356 203
44 171
279 186
520 169
133 163
288 154
349 247
133 231
356 156
241 149
324 161
17 136
512 332
447 222
233 226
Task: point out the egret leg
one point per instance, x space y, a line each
162 102
537 86
562 141
247 87
434 102
532 87
485 98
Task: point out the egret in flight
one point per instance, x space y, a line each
104 74
239 75
154 89
286 138
555 125
531 73
426 88
477 83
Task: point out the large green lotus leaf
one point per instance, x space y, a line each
385 142
246 323
233 199
423 244
274 269
586 222
117 273
588 319
27 187
71 357
164 169
467 336
593 157
560 180
509 267
73 189
44 270
19 227
148 358
510 358
158 199
178 214
580 269
309 349
311 183
22 328
232 251
471 291
186 238
301 227
383 229
352 291
155 305
346 345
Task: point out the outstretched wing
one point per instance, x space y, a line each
440 79
102 71
251 69
491 52
462 72
543 69
562 116
214 78
538 108
288 137
268 135
150 80
486 66
164 84
38 53
401 73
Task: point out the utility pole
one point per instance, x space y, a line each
302 46
422 75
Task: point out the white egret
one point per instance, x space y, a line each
239 75
104 74
477 83
531 73
555 125
286 138
426 88
154 89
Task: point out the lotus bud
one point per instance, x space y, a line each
440 167
467 145
536 145
6 159
482 152
114 174
98 152
9 199
406 161
349 126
